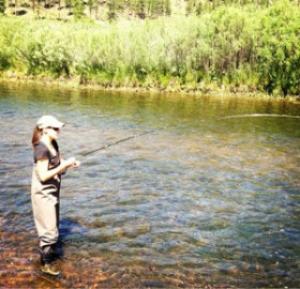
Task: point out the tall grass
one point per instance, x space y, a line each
230 46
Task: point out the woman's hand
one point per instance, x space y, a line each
70 163
45 174
76 164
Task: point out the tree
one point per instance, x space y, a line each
33 5
59 8
2 6
78 8
141 9
92 5
161 7
112 9
167 7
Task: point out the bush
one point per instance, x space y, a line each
229 46
278 53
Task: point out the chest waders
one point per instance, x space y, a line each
45 202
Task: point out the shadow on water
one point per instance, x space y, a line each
70 229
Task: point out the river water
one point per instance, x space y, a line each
199 201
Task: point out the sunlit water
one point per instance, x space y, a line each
213 198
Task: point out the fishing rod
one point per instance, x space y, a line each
103 147
115 143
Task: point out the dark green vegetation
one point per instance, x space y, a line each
244 48
2 6
112 9
95 9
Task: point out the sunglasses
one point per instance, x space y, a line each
54 128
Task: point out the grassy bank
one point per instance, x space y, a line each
240 49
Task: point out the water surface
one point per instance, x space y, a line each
199 200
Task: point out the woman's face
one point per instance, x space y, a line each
52 132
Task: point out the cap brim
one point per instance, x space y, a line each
49 121
59 124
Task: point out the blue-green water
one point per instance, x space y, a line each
199 198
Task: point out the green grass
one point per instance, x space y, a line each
232 47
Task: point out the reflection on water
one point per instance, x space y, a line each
199 201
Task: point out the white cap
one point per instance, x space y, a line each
49 121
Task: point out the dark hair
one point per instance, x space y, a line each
36 136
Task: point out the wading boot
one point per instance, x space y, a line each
50 269
47 254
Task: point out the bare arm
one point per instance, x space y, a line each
45 174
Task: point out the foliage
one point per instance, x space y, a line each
78 8
279 49
113 9
2 6
92 4
229 46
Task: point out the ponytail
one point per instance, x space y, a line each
36 136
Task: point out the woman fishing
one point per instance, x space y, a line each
45 189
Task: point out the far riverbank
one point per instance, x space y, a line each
229 49
12 80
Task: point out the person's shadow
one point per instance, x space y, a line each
70 231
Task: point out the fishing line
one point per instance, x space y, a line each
259 115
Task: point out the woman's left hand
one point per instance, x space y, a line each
76 164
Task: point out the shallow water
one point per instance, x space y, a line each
198 200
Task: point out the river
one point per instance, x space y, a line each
201 200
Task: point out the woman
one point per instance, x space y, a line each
46 178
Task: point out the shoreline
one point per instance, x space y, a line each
74 84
